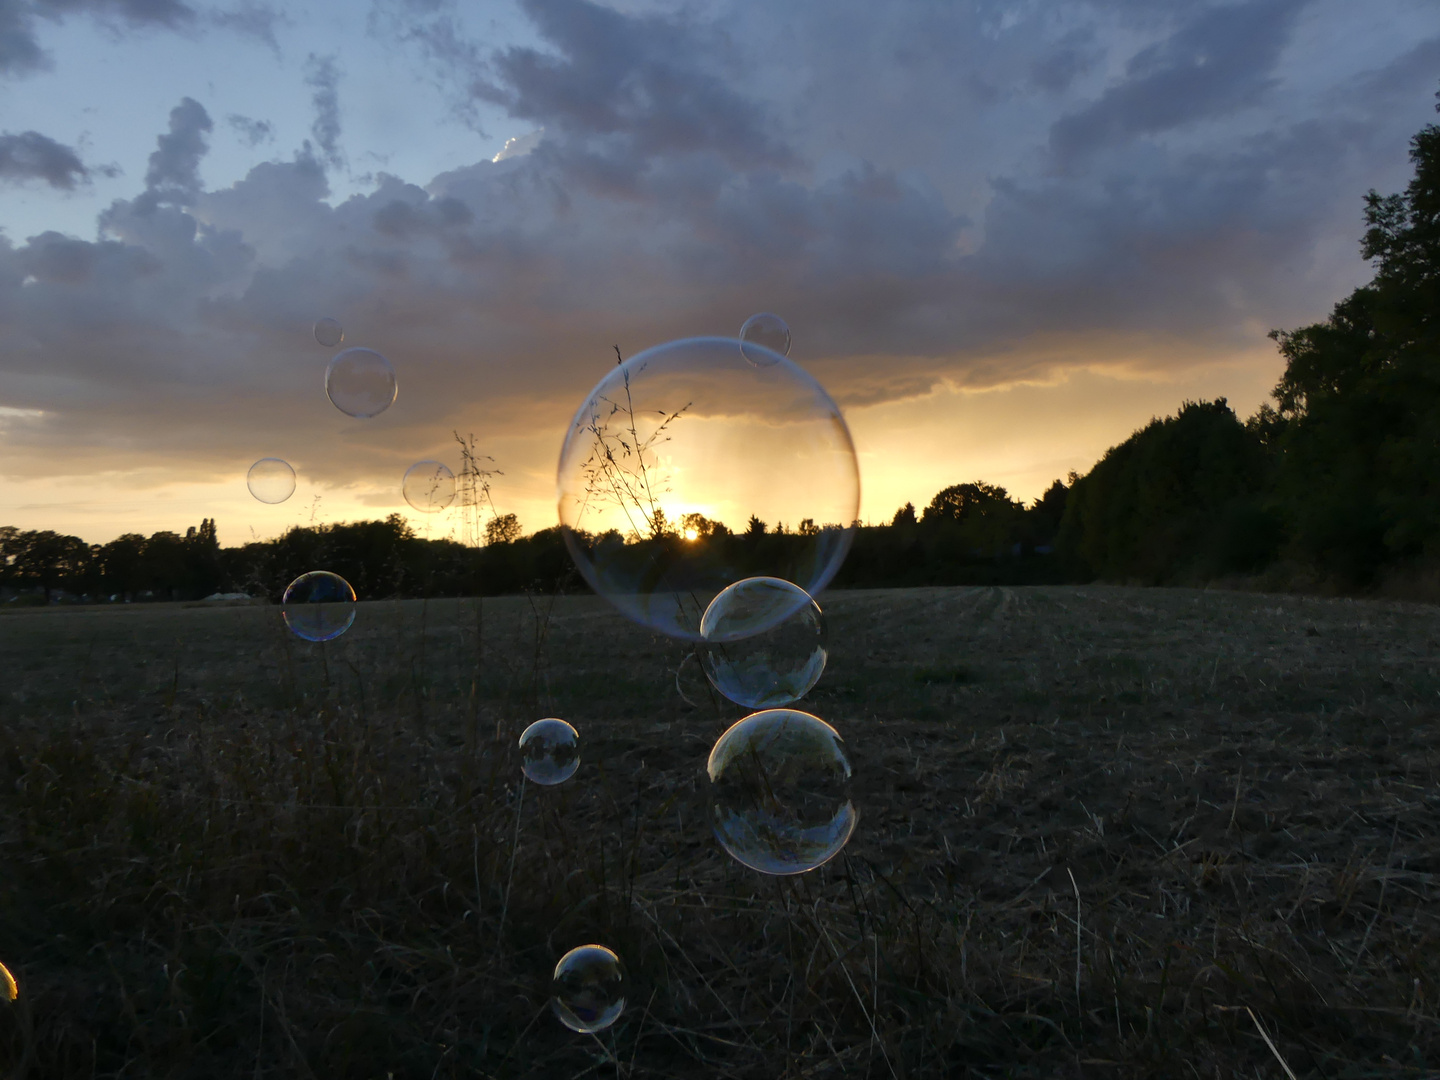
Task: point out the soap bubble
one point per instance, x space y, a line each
9 990
550 752
780 792
429 486
755 660
588 991
692 684
328 332
770 333
682 466
271 480
318 606
360 383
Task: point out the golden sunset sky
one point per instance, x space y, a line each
1004 235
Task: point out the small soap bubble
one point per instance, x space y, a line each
9 989
271 480
780 792
549 752
764 642
328 332
360 383
429 486
688 468
588 991
770 333
318 606
691 683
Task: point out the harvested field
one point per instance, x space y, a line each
1104 832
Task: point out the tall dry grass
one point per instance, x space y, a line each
1103 832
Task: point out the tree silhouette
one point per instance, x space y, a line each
1357 420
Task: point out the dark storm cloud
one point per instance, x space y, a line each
174 171
256 20
1220 61
32 156
323 78
169 13
452 63
1075 55
21 53
912 229
641 80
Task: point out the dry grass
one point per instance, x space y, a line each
1104 832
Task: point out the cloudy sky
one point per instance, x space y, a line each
1004 234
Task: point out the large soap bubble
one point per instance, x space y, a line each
429 486
682 467
9 990
549 752
588 991
360 383
271 480
780 792
328 332
762 335
755 660
318 606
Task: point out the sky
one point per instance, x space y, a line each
1004 235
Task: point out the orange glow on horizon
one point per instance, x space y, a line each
1022 436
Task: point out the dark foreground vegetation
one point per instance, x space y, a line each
1103 832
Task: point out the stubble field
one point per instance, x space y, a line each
1103 832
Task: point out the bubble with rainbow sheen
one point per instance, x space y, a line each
764 642
549 752
687 468
588 989
328 332
780 783
318 606
360 383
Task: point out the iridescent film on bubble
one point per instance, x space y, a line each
688 468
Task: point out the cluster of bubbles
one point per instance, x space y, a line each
320 605
667 447
588 989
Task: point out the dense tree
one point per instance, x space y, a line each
1357 418
1180 498
120 566
959 502
502 529
44 559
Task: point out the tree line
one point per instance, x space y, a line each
1336 482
